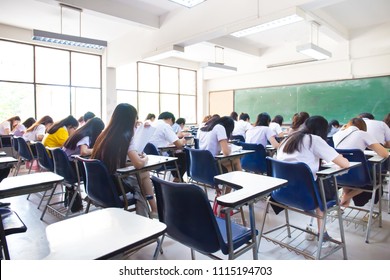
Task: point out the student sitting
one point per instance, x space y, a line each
354 135
309 145
37 131
115 144
59 132
261 133
242 126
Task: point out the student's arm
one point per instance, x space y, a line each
85 150
387 144
273 142
180 143
341 161
225 148
379 149
137 160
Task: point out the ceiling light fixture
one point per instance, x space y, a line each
292 16
219 62
188 3
159 54
69 40
313 50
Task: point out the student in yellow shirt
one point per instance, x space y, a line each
59 132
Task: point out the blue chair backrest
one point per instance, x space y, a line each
196 143
301 190
330 142
99 185
63 167
151 149
23 149
186 211
238 138
254 162
44 160
203 166
358 176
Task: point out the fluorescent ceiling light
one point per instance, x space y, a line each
269 25
219 67
165 53
314 51
188 3
68 40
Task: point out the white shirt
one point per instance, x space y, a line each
3 126
275 127
379 130
33 135
164 135
259 135
240 127
332 131
176 128
209 140
354 138
83 141
310 155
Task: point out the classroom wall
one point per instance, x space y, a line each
366 55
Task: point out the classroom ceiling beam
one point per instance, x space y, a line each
119 11
237 45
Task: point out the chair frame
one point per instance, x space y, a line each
256 162
352 213
232 250
23 145
293 232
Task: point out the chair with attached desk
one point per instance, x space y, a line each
301 195
25 155
186 211
10 224
71 197
361 178
101 189
256 162
151 149
203 169
7 143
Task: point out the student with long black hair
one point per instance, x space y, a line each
60 131
309 145
115 145
82 141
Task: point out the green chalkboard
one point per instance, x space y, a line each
341 100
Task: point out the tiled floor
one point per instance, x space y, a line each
33 245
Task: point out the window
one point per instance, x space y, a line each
66 82
153 88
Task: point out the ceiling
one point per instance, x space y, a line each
115 20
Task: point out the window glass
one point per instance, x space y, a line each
52 66
186 111
148 103
124 96
170 103
16 62
84 100
169 80
85 70
16 100
148 77
53 101
187 82
126 77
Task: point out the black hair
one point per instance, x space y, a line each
181 121
88 115
69 121
367 116
316 125
226 122
29 122
234 115
278 119
93 128
263 119
167 115
244 116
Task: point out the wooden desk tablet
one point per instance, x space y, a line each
101 234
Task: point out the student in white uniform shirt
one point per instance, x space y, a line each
261 133
354 135
309 145
377 129
38 129
214 137
276 124
164 136
8 126
242 125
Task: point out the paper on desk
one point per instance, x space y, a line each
235 148
142 136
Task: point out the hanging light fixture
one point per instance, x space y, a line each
69 40
313 50
219 63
